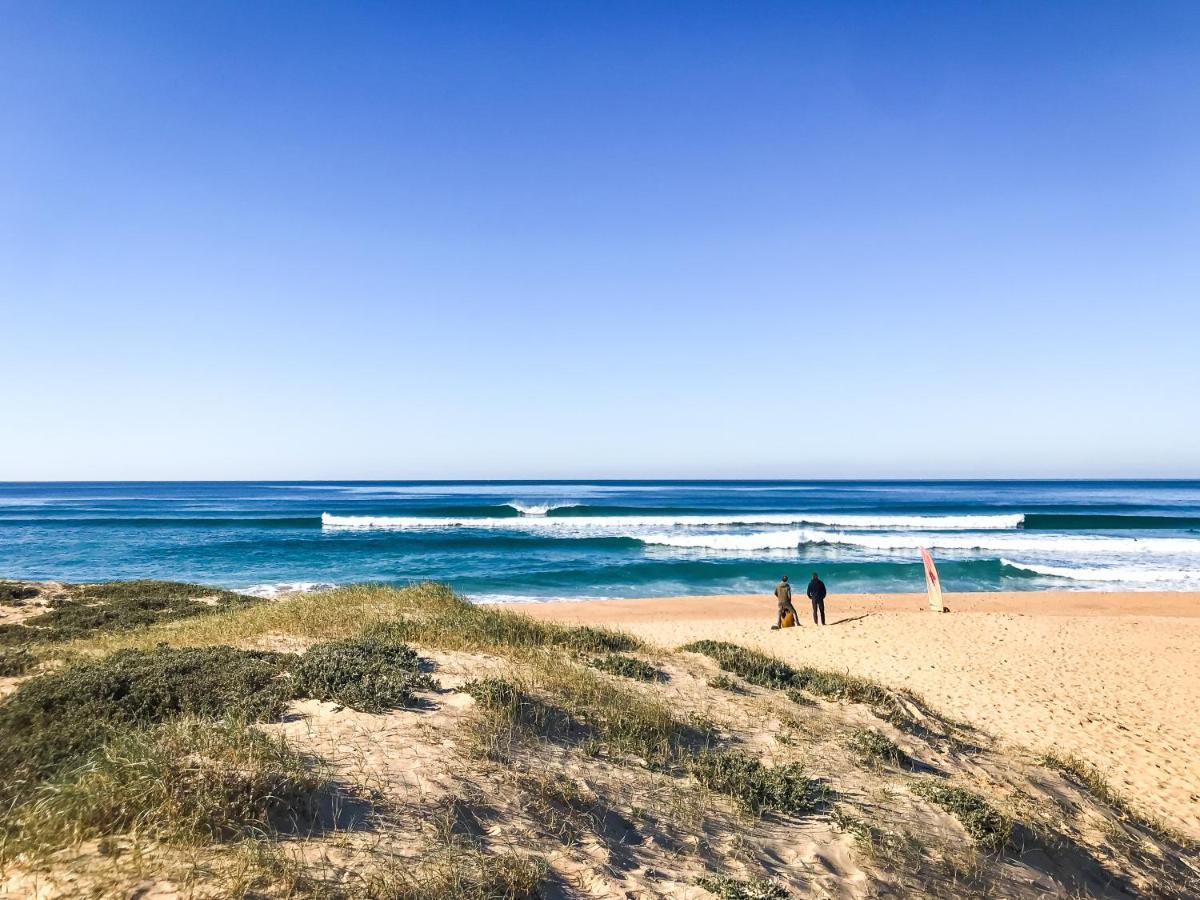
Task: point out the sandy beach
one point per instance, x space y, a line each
1111 677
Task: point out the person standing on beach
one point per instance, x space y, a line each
783 594
816 593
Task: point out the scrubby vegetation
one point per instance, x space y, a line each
758 788
871 744
14 593
370 674
728 888
725 683
53 720
16 661
120 606
987 827
627 667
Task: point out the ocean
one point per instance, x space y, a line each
526 540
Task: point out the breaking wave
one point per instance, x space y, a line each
536 517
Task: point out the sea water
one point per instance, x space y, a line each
505 541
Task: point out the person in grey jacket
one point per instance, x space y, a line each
783 594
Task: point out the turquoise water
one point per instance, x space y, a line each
508 540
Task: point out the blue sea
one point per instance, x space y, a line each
505 541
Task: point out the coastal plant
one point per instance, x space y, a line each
14 593
1095 783
16 661
443 619
755 786
183 780
872 745
627 667
990 829
455 872
728 888
756 668
123 606
723 682
368 674
54 718
891 705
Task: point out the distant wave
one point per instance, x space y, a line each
1123 574
542 521
1050 543
536 509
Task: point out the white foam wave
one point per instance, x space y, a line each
1117 574
762 540
534 517
1040 543
271 590
536 509
486 599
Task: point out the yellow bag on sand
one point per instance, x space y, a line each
788 619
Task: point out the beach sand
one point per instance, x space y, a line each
1113 678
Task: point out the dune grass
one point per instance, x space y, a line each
894 706
990 829
757 787
873 746
426 613
1095 783
184 780
627 667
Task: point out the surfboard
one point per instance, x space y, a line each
933 584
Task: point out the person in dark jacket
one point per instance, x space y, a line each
783 594
816 593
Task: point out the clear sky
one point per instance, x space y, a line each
390 240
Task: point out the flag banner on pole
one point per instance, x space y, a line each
932 583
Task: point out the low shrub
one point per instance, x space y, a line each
462 874
15 661
123 606
756 787
987 827
872 745
14 593
627 667
725 683
369 674
54 718
728 888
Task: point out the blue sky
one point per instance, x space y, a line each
385 240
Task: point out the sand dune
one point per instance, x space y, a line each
1111 677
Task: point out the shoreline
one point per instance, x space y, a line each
1108 676
1051 603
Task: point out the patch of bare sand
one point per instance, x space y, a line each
1111 677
